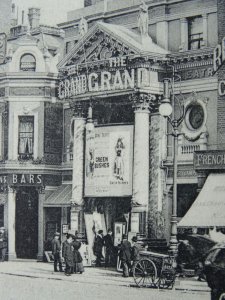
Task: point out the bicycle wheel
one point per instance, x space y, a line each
145 273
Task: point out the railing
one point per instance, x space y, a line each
189 149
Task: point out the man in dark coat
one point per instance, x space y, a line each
125 255
56 252
136 248
3 243
109 249
68 254
98 245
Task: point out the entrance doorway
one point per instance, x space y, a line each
27 222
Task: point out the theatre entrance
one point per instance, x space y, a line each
27 223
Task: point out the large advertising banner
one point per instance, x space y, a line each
108 162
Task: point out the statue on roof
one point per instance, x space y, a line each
83 27
143 19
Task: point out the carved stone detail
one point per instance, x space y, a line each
143 102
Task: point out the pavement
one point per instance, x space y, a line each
92 275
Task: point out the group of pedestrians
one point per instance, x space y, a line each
69 251
110 251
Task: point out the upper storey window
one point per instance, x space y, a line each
28 63
195 33
26 137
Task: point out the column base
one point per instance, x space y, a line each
11 256
40 257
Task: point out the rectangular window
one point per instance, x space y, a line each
26 137
195 33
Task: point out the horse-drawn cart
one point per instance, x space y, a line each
154 270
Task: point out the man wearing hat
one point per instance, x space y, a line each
3 243
136 248
56 249
125 255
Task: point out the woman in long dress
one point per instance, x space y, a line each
78 265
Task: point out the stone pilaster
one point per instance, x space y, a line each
157 192
205 29
184 34
162 34
40 227
11 225
78 167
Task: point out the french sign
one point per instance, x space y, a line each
209 160
108 162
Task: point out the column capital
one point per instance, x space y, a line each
205 15
143 102
79 109
183 20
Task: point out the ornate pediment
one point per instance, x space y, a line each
104 41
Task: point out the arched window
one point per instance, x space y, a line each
28 63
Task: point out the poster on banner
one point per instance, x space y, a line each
108 162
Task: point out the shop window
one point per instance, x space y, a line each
195 33
26 137
186 195
28 63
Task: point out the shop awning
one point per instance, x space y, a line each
60 197
208 210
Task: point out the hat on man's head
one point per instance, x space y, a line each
134 239
124 236
100 231
2 228
57 234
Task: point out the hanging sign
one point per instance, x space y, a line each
108 162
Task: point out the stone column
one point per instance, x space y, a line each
78 168
184 34
11 225
140 195
205 29
40 227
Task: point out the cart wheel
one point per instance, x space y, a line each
145 273
167 279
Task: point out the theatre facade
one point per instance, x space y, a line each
83 145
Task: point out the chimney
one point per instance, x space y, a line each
13 15
34 17
22 17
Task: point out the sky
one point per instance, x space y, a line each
52 11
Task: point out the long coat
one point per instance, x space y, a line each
77 255
98 244
68 253
56 247
125 251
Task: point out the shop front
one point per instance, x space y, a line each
21 213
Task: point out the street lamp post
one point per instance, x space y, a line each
166 109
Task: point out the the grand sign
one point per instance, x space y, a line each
119 76
209 160
108 162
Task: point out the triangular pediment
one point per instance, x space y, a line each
104 41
